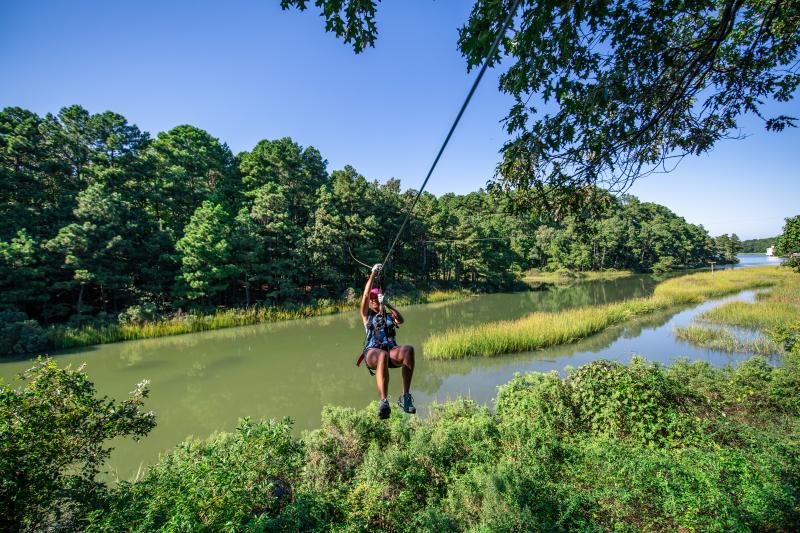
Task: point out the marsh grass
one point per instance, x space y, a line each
774 310
787 293
564 277
777 308
63 337
537 330
759 315
724 340
540 330
701 286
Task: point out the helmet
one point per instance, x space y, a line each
373 294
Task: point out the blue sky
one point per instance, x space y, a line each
247 71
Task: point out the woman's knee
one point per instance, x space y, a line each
407 352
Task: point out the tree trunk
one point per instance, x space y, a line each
80 299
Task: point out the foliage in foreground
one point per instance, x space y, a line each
608 91
53 434
539 330
637 447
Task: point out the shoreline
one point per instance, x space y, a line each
541 330
62 338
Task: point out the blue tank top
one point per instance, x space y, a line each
380 335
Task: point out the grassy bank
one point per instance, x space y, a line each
726 341
539 330
777 308
63 337
565 277
610 447
759 315
774 311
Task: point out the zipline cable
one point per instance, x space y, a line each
477 81
355 259
489 57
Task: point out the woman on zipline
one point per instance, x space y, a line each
382 352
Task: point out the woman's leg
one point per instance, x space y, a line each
403 356
378 360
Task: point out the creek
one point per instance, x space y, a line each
205 382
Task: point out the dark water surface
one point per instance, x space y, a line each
204 382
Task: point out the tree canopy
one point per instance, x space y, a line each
608 91
102 226
788 243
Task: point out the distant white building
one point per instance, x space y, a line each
770 251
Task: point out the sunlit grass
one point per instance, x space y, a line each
775 309
760 315
540 330
565 277
698 287
537 330
787 293
63 337
726 341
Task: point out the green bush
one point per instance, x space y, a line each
665 264
636 401
336 450
53 434
689 489
635 447
231 481
20 335
139 314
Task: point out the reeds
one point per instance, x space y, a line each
62 337
561 277
696 288
724 340
760 315
537 330
777 308
540 330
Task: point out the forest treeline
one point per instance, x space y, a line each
758 246
99 216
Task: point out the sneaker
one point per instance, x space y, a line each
406 403
384 409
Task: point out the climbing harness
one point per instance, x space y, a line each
382 331
477 81
377 326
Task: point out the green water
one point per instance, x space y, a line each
204 382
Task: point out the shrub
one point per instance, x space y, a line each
665 264
20 335
609 447
533 408
231 481
139 314
53 434
687 489
638 402
336 450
